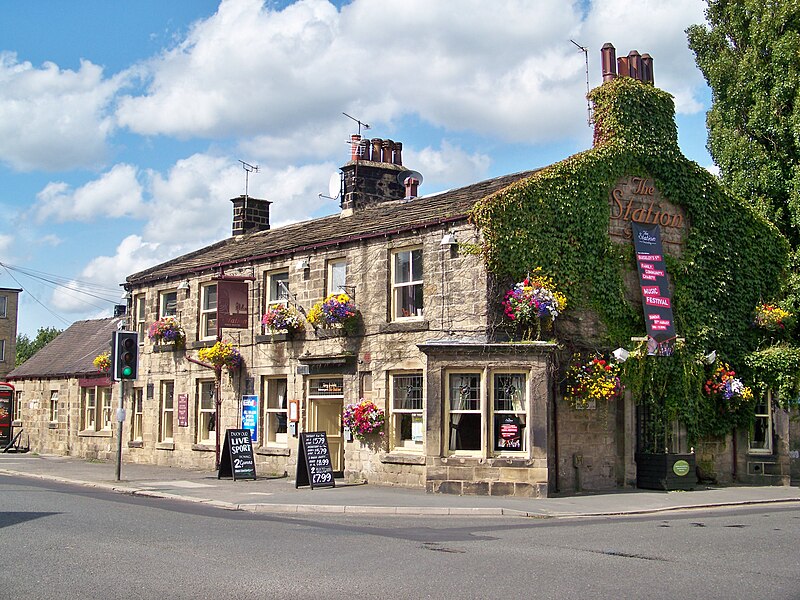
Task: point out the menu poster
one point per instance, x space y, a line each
656 299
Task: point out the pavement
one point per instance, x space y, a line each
279 494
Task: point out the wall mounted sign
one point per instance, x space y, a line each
250 416
183 410
680 468
232 304
654 284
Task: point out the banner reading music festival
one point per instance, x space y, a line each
654 284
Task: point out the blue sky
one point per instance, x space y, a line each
122 124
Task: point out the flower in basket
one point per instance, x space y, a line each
283 318
334 310
363 419
102 362
222 354
167 330
592 380
772 318
724 384
533 299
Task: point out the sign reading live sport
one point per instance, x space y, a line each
655 290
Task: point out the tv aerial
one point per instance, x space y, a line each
248 169
360 123
585 51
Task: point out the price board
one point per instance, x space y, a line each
237 455
314 461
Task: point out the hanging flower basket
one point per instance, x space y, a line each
592 380
727 389
102 362
772 318
167 330
283 318
363 419
222 354
336 310
533 300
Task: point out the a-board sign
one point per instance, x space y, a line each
314 461
237 455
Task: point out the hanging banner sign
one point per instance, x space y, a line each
656 299
232 304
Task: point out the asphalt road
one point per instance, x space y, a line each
59 541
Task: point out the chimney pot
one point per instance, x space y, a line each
397 157
608 56
376 150
635 64
623 68
647 68
412 184
355 147
386 151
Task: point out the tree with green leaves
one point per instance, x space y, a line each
749 53
27 347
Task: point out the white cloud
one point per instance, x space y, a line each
115 194
449 164
53 119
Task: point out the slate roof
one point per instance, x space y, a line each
384 219
71 353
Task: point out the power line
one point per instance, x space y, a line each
59 317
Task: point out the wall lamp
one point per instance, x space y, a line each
449 240
302 264
620 355
184 285
710 358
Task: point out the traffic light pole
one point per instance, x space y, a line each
121 421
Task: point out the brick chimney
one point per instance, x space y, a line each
371 175
249 215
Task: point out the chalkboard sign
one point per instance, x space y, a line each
314 461
237 456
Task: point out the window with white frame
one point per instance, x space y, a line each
137 417
336 276
140 310
3 307
207 413
167 304
54 406
464 410
760 438
208 311
484 425
407 284
18 407
97 411
167 410
274 391
407 428
509 412
277 286
2 351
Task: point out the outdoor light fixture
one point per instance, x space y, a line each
710 358
620 355
302 264
184 285
448 239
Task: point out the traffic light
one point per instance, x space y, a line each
125 355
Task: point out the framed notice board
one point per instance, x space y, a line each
314 461
237 455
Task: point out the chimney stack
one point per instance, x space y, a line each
249 215
373 174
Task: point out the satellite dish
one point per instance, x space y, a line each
335 185
403 175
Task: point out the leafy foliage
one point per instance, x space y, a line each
27 347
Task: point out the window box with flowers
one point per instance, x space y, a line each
532 302
337 312
283 321
363 419
167 331
222 354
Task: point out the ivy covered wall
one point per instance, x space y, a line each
558 219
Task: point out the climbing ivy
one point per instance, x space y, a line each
558 220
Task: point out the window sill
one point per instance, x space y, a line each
273 451
52 425
167 348
760 453
165 446
333 332
201 344
136 444
16 423
203 448
91 433
270 338
405 326
395 458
